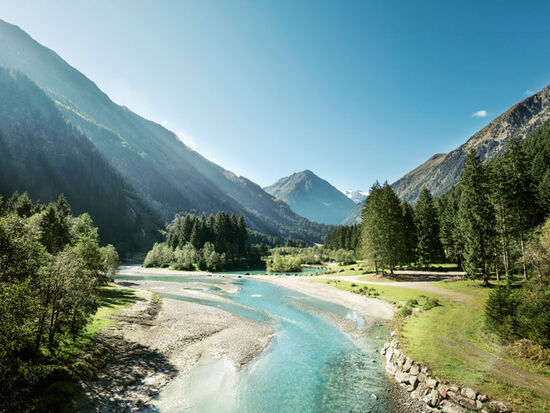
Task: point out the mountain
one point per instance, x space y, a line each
442 171
356 196
312 197
169 176
354 216
44 155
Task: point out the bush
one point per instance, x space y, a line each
405 311
430 303
522 313
528 349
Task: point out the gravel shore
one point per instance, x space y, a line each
156 340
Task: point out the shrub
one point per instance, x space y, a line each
405 311
430 303
523 313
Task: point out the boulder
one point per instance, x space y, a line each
432 383
482 398
454 387
402 377
413 380
408 364
497 407
415 370
450 407
462 400
435 398
422 377
401 360
443 389
469 393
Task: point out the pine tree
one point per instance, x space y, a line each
383 229
429 247
409 228
476 217
521 196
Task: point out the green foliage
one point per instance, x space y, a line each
49 279
449 229
430 303
214 244
428 248
314 255
476 218
284 263
410 233
383 233
345 237
109 256
520 313
44 155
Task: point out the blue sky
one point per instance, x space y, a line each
355 91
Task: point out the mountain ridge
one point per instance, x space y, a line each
441 171
168 175
312 197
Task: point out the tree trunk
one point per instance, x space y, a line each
523 258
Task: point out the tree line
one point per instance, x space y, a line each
212 243
51 266
486 224
345 237
393 233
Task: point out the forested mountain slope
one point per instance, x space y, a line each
44 155
441 171
163 171
312 197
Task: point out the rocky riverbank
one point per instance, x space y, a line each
433 393
155 340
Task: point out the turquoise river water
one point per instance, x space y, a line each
310 365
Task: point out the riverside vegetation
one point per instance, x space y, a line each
495 225
52 269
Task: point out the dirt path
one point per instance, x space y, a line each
507 372
425 286
495 366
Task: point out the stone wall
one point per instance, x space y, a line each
438 395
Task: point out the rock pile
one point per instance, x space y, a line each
438 395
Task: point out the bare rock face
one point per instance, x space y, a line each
441 171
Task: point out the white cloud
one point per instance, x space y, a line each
480 114
164 123
186 138
528 92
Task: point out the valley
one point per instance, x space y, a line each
164 246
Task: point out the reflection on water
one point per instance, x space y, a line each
310 365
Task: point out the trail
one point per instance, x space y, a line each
496 367
425 286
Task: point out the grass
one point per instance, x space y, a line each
451 339
112 299
395 295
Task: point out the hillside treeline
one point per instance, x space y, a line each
212 243
51 266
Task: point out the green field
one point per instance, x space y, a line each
453 341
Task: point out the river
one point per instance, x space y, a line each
311 365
